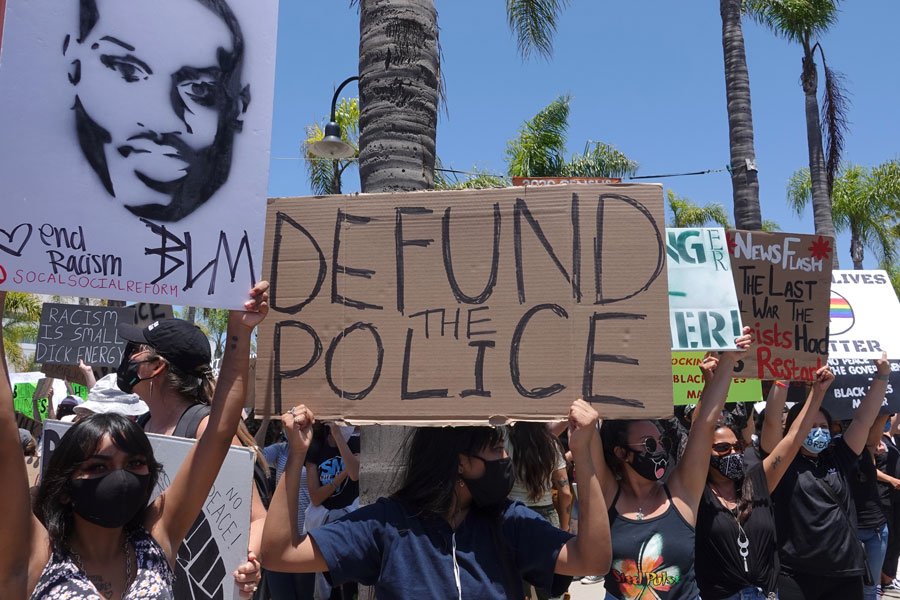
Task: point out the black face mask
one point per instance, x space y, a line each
730 465
109 501
490 489
127 374
651 465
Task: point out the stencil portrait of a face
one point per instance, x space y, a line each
158 99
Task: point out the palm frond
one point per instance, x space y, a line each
321 171
538 149
799 190
603 160
686 213
835 121
534 22
794 20
770 226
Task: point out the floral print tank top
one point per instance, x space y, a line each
153 579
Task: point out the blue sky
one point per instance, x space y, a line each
644 76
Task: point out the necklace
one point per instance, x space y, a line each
743 542
128 574
640 511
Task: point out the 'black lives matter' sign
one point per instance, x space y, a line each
71 332
852 378
467 306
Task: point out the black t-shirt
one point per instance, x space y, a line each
816 535
863 483
719 565
888 463
329 463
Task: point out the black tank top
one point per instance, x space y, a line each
651 554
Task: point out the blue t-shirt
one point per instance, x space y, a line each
405 556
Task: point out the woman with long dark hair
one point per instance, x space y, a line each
820 553
652 522
92 533
449 531
540 468
736 553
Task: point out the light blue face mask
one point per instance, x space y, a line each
817 440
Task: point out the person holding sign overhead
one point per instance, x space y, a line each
92 534
449 531
736 550
651 522
821 555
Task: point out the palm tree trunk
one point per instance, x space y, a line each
856 248
821 199
744 180
399 76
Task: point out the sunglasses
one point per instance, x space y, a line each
651 444
725 447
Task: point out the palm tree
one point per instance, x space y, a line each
538 149
804 22
686 213
744 180
20 323
324 174
864 201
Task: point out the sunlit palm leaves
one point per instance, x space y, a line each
685 213
533 22
20 323
325 174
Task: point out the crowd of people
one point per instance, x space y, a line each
728 504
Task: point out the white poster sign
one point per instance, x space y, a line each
864 315
217 542
135 153
703 308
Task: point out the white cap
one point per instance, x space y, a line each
106 397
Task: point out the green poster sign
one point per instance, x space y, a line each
687 381
703 306
22 395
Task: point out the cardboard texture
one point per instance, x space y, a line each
852 378
687 381
217 542
71 332
783 282
468 306
865 315
703 307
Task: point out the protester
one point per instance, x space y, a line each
651 522
65 410
871 521
334 457
289 586
449 531
92 532
167 364
736 553
820 554
540 469
29 446
106 397
888 465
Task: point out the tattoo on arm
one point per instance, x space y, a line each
234 340
776 461
561 483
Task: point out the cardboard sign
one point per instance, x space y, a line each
136 148
217 542
782 282
71 332
703 307
467 306
865 315
852 378
687 381
563 180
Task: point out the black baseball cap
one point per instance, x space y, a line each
179 342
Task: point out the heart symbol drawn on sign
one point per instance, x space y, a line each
11 237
